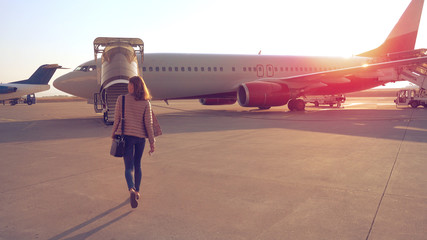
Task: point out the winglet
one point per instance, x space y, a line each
404 34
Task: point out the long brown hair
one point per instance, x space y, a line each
141 91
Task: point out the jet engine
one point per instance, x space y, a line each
6 89
263 94
218 101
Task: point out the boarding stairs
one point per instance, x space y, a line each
416 74
110 98
121 58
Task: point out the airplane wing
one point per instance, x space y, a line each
322 82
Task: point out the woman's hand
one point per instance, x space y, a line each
152 148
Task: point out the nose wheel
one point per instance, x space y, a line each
106 118
296 105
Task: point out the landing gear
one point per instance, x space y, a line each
296 105
264 108
106 118
414 104
31 99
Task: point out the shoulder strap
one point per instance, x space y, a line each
123 114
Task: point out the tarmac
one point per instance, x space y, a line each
219 172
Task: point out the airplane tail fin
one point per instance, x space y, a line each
404 34
42 75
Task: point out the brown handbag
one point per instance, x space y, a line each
156 126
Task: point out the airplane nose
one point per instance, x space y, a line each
60 82
81 84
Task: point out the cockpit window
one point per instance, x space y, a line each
85 68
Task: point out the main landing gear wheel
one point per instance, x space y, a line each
106 118
296 105
414 104
264 108
316 104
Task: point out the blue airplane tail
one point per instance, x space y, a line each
42 75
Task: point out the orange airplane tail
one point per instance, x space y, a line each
404 34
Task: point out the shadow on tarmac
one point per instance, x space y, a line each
384 124
376 123
53 129
87 234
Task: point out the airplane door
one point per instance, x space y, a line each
260 70
270 70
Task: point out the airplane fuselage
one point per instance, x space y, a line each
178 76
22 90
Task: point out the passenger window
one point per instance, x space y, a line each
196 69
233 69
144 69
170 69
202 69
189 69
244 69
215 69
157 69
221 69
164 69
182 69
150 69
176 69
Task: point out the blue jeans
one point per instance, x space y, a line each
134 147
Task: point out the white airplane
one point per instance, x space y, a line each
266 81
38 82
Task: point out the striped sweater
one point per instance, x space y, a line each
138 118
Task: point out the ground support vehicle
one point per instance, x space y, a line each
330 100
411 97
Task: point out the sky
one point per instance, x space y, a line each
51 31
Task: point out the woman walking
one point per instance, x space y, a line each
138 125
